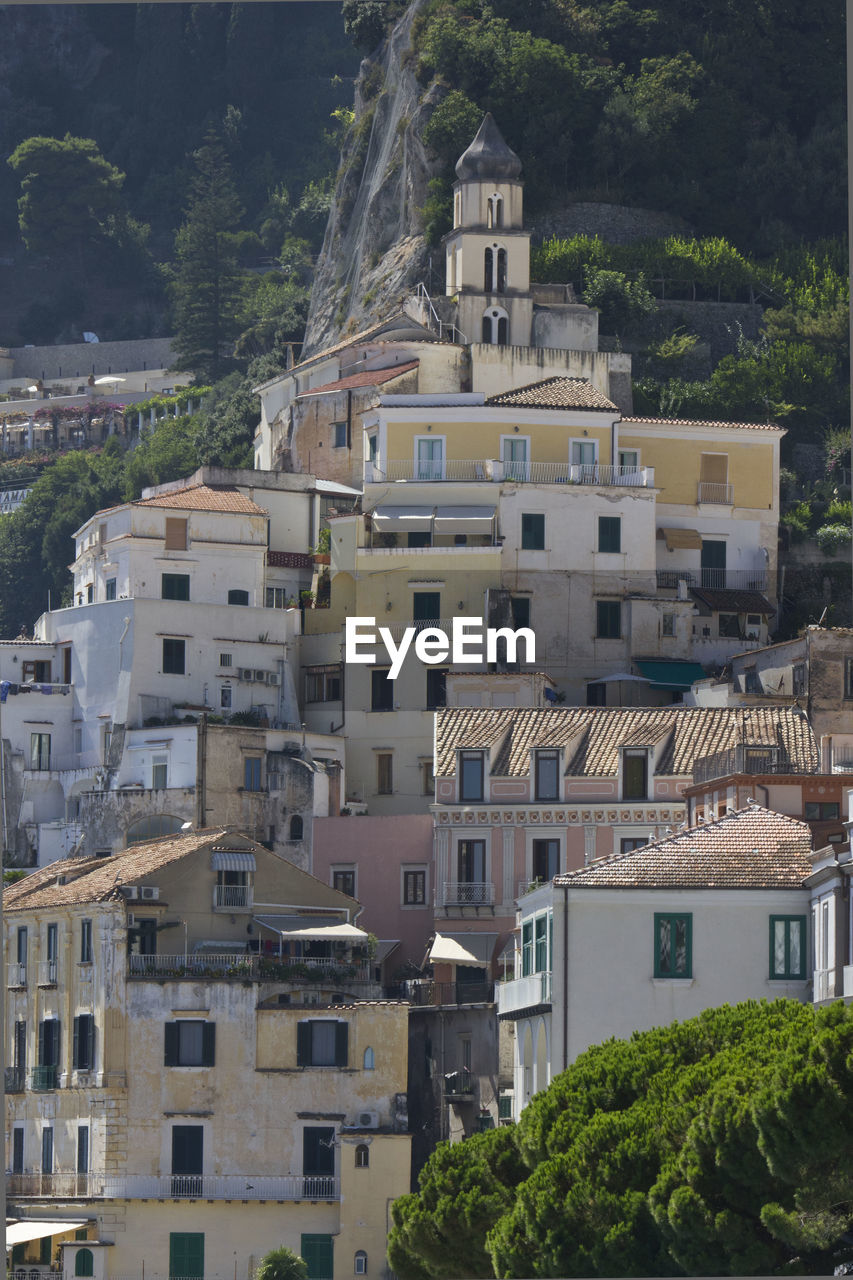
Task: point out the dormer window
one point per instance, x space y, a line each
546 775
235 874
635 774
471 775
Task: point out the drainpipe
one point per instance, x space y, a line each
565 976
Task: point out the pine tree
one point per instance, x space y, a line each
206 289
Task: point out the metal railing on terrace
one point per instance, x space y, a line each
16 974
15 1079
745 759
714 579
48 971
43 1078
292 1187
496 471
465 893
235 897
254 968
718 494
423 992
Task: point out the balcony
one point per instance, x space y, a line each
467 893
423 993
530 992
43 1078
16 974
249 968
459 1085
824 984
236 1186
16 1079
713 579
233 897
492 470
47 973
744 759
721 495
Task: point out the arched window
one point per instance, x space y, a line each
457 208
369 1061
362 1156
500 286
296 827
361 1263
84 1263
238 596
496 326
494 211
488 269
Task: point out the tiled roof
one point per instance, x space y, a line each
555 393
99 879
752 848
205 497
733 601
371 378
696 422
595 734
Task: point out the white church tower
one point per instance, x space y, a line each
488 250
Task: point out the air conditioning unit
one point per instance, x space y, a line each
149 893
246 673
260 677
368 1120
272 677
130 891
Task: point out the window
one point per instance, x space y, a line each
39 750
495 327
821 810
381 690
470 775
83 1149
252 773
430 457
321 1043
360 1267
296 828
159 773
238 596
83 1058
369 1060
84 1262
225 697
85 941
318 1254
186 1254
546 859
323 684
798 678
419 538
596 694
787 946
225 659
547 775
673 945
52 944
527 948
90 593
362 1156
532 531
110 589
232 889
471 865
436 688
38 671
176 534
22 945
729 626
426 606
175 586
608 619
339 435
384 773
635 775
47 1150
18 1150
629 843
414 888
668 624
428 778
520 607
610 533
278 598
848 677
629 459
515 456
540 944
174 659
189 1043
19 1048
344 881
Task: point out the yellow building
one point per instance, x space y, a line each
201 1067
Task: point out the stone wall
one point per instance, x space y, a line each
615 223
79 359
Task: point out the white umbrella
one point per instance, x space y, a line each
107 380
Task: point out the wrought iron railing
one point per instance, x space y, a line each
423 992
256 968
174 1186
510 470
43 1078
464 893
745 759
718 494
47 973
236 897
15 1079
714 579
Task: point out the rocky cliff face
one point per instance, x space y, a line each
373 252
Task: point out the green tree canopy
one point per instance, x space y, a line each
718 1146
68 191
281 1264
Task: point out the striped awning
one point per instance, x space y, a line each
464 519
230 860
412 519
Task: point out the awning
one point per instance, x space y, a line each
309 928
463 948
621 676
671 675
682 539
21 1232
228 861
403 519
384 947
464 519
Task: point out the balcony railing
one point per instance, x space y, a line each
713 579
753 760
233 897
496 471
16 1079
824 984
168 1187
47 973
424 993
255 968
524 993
718 494
43 1078
16 974
464 893
459 1084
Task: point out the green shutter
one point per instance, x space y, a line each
303 1044
90 1044
341 1040
75 1052
41 1061
208 1044
317 1252
170 1057
186 1254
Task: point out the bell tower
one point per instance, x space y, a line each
488 250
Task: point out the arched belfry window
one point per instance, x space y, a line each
488 270
500 284
496 327
457 208
494 210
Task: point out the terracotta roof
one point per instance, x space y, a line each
733 601
594 736
752 848
99 879
697 422
555 393
371 378
205 497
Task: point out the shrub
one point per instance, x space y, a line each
797 520
832 537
